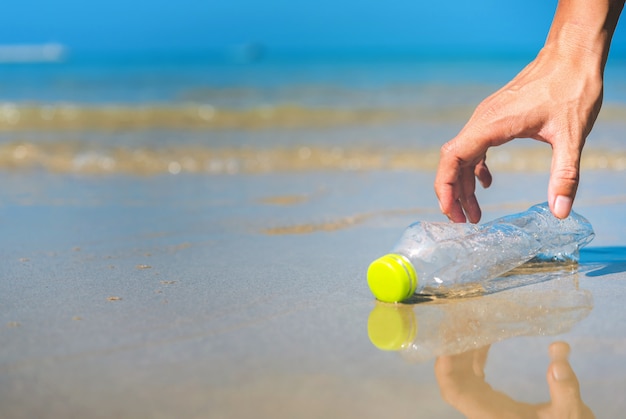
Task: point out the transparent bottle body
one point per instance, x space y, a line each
560 240
471 258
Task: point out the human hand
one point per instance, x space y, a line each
555 99
462 383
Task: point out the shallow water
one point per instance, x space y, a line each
201 114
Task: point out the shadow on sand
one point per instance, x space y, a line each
604 260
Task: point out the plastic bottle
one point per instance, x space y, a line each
452 259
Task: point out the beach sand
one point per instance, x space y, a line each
190 239
234 296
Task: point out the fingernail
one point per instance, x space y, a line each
561 371
562 206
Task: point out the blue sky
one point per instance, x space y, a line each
191 24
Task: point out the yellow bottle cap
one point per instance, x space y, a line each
392 278
392 327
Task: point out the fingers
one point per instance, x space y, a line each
483 174
455 184
468 197
447 186
564 178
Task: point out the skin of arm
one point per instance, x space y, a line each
555 99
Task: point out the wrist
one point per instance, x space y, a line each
577 44
582 31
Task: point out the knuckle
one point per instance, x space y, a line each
568 174
448 149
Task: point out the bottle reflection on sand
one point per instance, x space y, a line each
452 326
458 334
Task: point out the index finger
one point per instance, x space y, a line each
447 186
455 182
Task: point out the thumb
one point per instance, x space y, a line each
564 177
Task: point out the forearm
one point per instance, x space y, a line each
583 29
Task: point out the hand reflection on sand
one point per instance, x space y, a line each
462 383
458 333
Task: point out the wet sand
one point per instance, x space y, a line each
233 296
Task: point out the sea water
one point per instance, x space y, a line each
219 113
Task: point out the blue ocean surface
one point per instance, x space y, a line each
246 109
174 77
151 76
